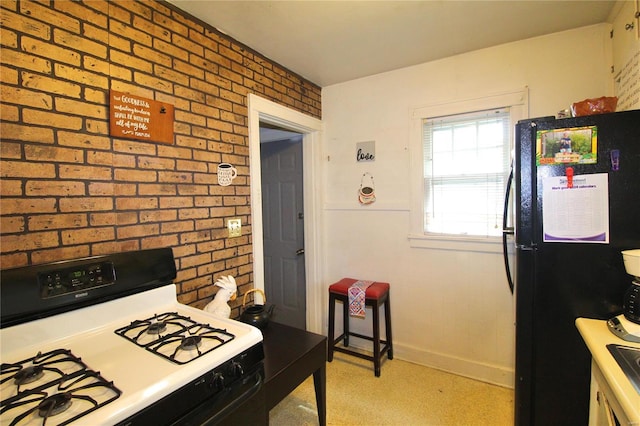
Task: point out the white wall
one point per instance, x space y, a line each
450 309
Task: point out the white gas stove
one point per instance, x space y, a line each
140 358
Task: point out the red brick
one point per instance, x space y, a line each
49 16
137 8
81 108
13 260
131 61
11 150
103 219
15 169
11 188
50 85
30 241
9 112
159 216
86 204
40 48
134 147
101 188
26 133
156 189
24 24
152 55
25 97
125 232
177 177
57 221
131 33
62 253
54 188
88 235
186 213
151 28
136 203
156 163
177 227
83 140
84 172
159 241
133 175
37 117
81 12
11 224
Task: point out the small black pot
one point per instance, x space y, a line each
256 315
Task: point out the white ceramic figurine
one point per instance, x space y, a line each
227 292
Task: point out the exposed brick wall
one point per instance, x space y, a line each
70 190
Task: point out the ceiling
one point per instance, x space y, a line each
330 42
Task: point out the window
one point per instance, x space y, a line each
466 164
461 153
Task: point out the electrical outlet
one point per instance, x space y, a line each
235 227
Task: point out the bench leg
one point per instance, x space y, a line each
376 339
345 320
332 319
387 321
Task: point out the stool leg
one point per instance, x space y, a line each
332 319
387 321
376 339
345 320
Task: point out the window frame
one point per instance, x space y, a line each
518 104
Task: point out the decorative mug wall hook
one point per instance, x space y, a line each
226 174
366 193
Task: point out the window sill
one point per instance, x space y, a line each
456 243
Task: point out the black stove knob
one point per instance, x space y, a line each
236 369
217 383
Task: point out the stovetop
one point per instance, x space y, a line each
132 375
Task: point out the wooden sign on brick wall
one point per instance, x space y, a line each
134 117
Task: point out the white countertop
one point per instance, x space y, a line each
597 336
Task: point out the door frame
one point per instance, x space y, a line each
263 110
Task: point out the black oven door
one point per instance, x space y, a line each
204 402
242 404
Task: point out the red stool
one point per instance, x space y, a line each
375 295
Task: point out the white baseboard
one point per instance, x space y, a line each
493 374
488 373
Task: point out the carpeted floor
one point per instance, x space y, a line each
404 394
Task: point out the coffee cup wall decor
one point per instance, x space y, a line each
366 192
226 174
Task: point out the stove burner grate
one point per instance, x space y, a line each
40 370
144 332
192 340
68 396
175 337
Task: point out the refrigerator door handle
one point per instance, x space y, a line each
507 230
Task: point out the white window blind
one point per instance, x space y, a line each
466 164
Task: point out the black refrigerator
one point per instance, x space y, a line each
559 277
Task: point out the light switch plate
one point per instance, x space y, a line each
235 227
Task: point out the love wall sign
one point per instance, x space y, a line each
366 151
134 117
